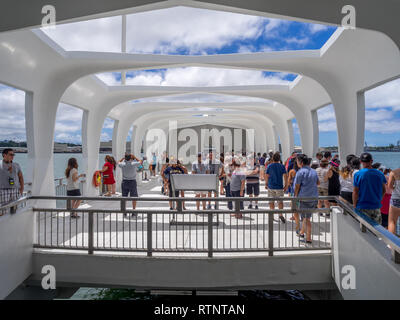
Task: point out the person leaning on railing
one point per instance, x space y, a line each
369 189
11 178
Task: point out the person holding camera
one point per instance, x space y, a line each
129 165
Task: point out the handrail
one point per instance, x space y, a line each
365 222
374 227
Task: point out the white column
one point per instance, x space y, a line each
120 134
282 128
134 132
305 123
314 117
92 124
276 139
291 135
40 117
350 119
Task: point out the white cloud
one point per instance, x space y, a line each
315 28
199 76
386 95
93 35
192 29
12 108
108 123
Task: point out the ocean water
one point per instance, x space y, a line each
388 159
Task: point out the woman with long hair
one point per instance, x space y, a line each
108 175
71 173
346 183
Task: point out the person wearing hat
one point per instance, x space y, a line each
369 189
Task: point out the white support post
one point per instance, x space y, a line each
40 117
350 119
314 117
92 124
291 135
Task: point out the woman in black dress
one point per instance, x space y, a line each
333 180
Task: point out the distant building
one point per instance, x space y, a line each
106 146
60 147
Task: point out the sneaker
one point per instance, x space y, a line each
209 207
134 215
250 206
282 219
256 207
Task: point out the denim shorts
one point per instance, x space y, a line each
395 203
307 205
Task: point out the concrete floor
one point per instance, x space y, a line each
114 232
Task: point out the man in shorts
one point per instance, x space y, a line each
276 182
306 185
198 167
129 165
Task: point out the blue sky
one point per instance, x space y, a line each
200 32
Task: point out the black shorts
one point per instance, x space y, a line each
348 196
74 193
170 192
129 188
253 188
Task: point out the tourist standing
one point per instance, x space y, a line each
386 200
237 185
333 180
276 182
306 185
73 190
146 169
11 178
262 160
322 173
108 175
198 167
394 209
129 165
227 172
212 168
153 164
253 184
346 183
172 169
369 188
319 157
165 178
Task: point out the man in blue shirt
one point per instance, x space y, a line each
306 185
274 178
369 189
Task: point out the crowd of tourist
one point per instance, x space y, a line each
369 187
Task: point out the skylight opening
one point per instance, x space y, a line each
198 77
190 31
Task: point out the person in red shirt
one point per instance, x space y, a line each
108 175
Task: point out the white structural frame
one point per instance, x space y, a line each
351 62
